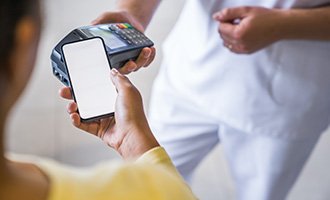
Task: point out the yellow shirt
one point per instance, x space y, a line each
152 176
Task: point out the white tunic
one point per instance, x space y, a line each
283 89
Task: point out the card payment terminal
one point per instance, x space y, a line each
123 43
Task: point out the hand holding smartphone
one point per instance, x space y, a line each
95 95
88 70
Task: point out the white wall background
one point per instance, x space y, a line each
40 125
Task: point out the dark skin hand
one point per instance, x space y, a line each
128 131
248 29
146 56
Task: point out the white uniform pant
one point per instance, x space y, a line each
263 167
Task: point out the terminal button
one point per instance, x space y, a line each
124 26
121 26
128 25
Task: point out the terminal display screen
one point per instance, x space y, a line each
109 38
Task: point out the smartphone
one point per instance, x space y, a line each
88 71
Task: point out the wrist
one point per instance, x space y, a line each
136 142
280 30
285 21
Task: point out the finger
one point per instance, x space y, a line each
141 61
103 18
230 14
227 39
233 48
227 30
120 81
75 119
217 15
227 45
72 107
143 58
107 17
91 127
151 57
129 67
65 93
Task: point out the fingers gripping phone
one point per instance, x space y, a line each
88 70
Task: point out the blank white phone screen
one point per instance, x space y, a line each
89 73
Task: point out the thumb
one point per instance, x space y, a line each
120 81
227 28
231 14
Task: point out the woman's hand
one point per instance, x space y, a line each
246 29
146 56
128 131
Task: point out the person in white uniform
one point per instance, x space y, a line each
251 74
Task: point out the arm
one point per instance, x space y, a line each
307 24
259 27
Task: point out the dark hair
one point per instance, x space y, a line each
11 12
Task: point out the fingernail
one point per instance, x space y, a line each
131 68
114 71
147 54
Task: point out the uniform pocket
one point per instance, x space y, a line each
302 74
